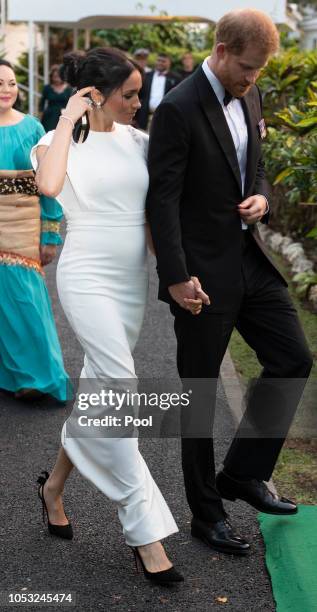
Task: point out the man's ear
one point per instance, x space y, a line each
221 50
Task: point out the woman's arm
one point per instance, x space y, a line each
51 216
51 211
52 160
149 239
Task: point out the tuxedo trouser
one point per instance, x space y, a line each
267 320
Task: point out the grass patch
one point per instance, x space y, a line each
296 470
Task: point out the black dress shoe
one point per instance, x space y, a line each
219 536
254 492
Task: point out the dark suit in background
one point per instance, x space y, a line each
195 187
142 116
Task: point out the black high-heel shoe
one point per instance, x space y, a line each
62 531
165 577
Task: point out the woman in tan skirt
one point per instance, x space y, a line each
31 361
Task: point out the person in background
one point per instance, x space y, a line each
188 65
54 97
156 84
141 57
31 361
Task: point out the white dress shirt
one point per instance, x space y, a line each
157 90
235 118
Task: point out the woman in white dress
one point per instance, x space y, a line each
102 281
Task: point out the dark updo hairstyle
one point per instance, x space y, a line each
105 68
17 105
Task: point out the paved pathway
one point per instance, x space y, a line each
96 565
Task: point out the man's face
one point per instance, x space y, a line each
188 61
163 64
239 72
142 60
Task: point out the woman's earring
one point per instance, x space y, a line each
96 105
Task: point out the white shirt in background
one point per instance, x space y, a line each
157 90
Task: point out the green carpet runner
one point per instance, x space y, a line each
291 558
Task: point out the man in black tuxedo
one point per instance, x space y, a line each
156 84
207 192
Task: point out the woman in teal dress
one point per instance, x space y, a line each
31 361
54 97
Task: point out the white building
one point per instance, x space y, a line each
302 24
15 37
309 30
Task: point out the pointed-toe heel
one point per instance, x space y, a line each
61 531
164 578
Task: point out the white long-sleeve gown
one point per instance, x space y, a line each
102 281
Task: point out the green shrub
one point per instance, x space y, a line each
289 87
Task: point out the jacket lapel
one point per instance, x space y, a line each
250 113
218 123
170 82
148 82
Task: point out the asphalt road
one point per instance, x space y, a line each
97 566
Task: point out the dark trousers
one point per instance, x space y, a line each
267 320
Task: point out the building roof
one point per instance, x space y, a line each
113 13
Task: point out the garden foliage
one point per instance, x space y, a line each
289 88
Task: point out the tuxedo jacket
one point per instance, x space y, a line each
142 116
195 187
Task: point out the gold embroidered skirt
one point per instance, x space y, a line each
20 223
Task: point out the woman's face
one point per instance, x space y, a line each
8 88
55 78
124 102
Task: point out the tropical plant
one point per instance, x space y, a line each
289 84
285 80
156 37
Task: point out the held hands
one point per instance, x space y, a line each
78 105
189 295
252 209
47 253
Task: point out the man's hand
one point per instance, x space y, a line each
47 253
189 295
252 209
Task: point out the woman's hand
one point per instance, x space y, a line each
194 306
78 105
47 253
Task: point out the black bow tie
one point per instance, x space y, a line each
228 97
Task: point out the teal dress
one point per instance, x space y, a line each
52 102
30 352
